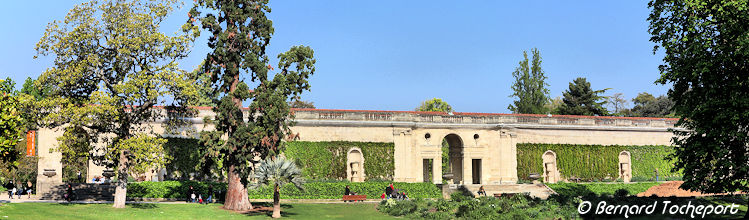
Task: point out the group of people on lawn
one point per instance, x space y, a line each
196 197
18 189
390 193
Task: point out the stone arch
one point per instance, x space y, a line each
355 165
455 157
625 166
551 173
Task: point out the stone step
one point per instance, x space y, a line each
535 190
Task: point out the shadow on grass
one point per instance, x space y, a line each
266 209
144 206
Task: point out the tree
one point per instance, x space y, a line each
206 95
618 104
111 67
580 99
530 86
554 104
434 105
240 31
11 123
705 44
646 105
296 103
278 172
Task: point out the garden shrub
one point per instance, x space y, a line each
595 162
590 189
170 189
312 190
327 160
464 207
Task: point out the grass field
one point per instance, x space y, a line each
182 211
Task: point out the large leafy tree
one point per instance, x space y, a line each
112 65
434 105
11 123
530 86
239 32
706 45
580 99
647 105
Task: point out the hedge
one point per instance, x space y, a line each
327 160
169 189
595 162
312 190
321 190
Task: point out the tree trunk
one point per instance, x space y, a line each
276 202
236 194
120 193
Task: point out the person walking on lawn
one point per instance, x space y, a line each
14 190
10 188
28 189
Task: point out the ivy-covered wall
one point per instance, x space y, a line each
327 160
595 162
185 156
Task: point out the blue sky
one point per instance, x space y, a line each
391 55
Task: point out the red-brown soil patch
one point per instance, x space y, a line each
671 188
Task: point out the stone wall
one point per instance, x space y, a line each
490 138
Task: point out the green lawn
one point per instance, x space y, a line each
181 211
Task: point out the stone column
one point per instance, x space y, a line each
437 169
508 152
402 159
47 139
467 168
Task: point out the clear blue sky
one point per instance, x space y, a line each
391 55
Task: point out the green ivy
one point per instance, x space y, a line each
185 156
595 162
327 160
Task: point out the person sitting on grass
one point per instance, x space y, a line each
192 194
389 191
481 191
210 194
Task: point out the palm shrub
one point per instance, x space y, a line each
277 172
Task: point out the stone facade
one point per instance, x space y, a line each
483 146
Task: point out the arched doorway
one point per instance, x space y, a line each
625 168
355 165
551 174
453 157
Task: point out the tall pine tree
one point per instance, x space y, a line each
580 99
240 32
530 86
